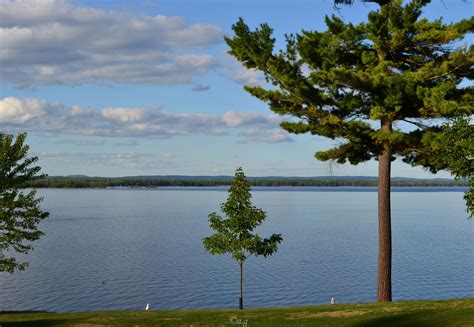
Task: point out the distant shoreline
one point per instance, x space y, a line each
224 181
355 189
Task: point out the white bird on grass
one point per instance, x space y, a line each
333 301
147 307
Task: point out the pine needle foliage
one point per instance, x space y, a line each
397 67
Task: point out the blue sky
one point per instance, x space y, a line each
113 88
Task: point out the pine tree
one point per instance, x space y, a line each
20 212
234 233
399 70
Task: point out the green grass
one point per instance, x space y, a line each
458 312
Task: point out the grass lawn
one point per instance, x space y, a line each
457 312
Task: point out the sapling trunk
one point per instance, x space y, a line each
241 299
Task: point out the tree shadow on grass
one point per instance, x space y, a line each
29 321
21 312
400 320
36 323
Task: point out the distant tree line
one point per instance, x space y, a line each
164 182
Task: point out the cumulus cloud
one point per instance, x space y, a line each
245 76
36 115
18 111
240 74
271 136
57 42
238 119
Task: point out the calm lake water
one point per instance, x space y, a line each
121 248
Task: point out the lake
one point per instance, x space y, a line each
123 248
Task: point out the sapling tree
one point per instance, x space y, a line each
20 211
234 233
380 89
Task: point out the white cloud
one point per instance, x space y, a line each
271 136
274 137
125 115
237 119
56 42
246 76
17 111
47 117
240 74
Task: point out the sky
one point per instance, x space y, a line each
127 87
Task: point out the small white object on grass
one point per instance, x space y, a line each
147 307
333 301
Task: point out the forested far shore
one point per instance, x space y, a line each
103 182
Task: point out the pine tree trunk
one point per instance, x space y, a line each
241 299
384 282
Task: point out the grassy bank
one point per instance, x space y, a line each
458 312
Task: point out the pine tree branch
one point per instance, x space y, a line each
447 73
350 2
418 124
